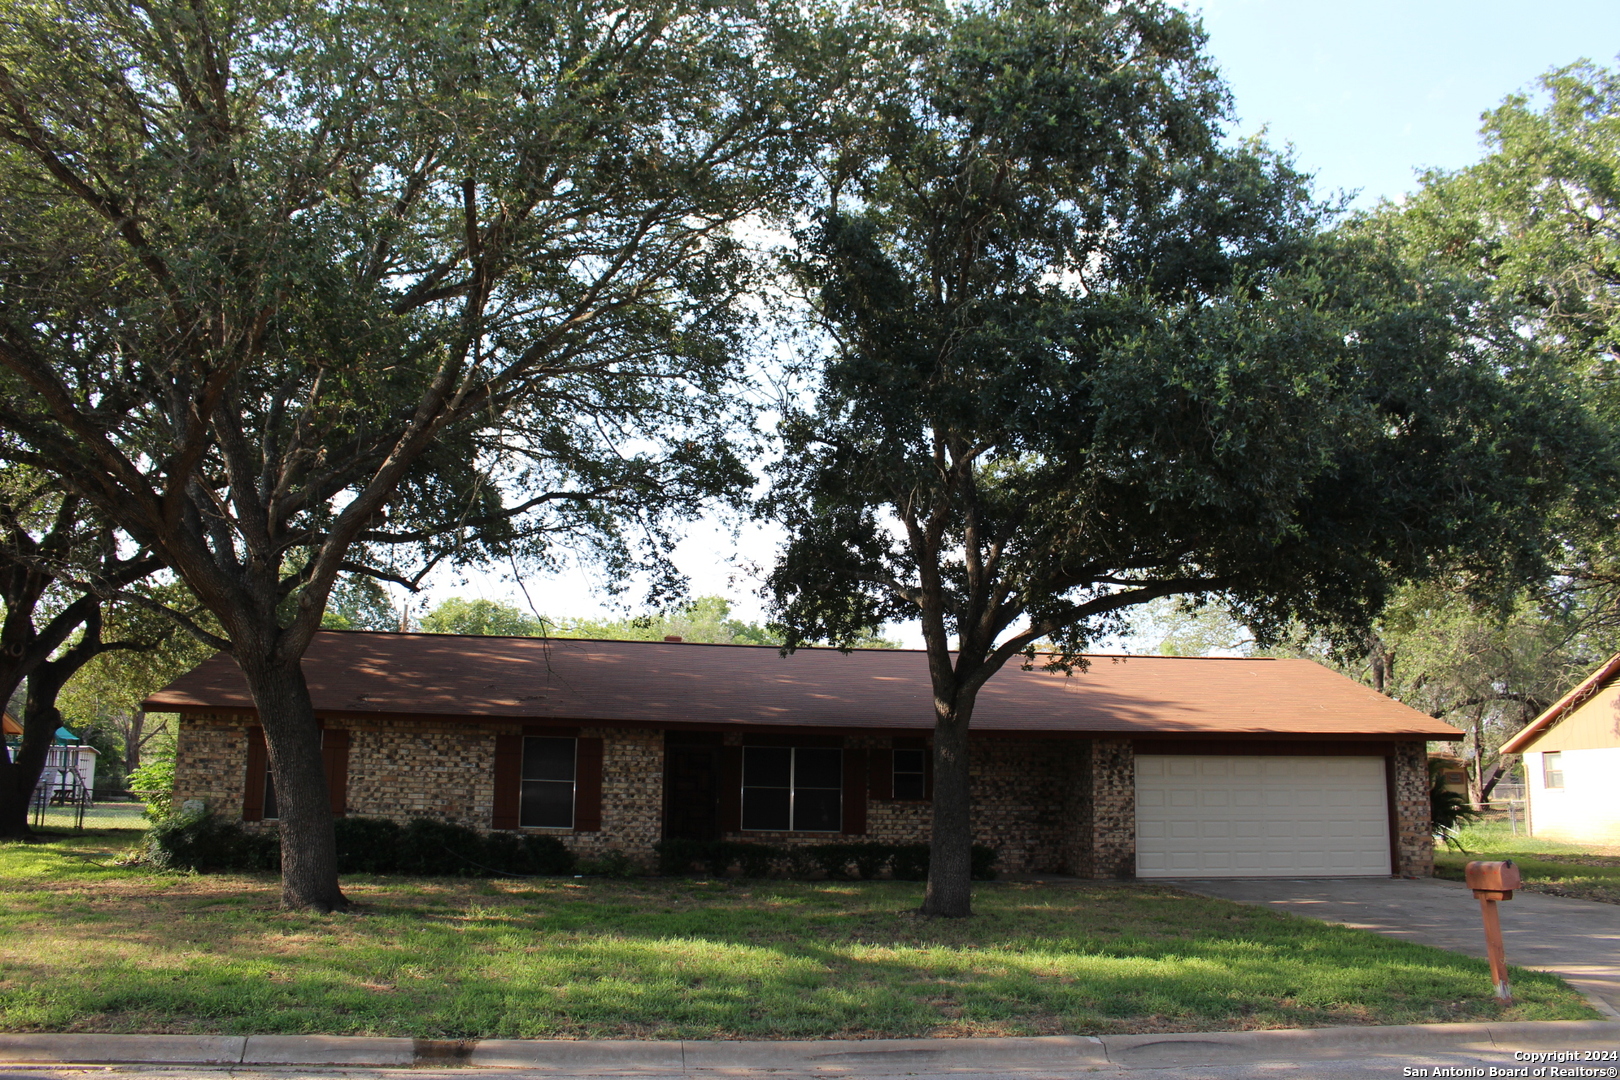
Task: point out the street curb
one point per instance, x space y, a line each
866 1055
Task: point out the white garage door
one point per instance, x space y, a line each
1218 816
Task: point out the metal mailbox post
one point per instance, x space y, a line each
1491 882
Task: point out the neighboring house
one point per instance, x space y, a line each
1572 762
1140 766
11 728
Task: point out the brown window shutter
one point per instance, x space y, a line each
335 756
731 788
855 781
508 781
253 789
588 786
882 786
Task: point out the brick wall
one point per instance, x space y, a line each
210 762
403 769
400 769
1048 805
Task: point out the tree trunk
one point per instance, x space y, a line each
20 775
40 720
950 864
132 741
309 877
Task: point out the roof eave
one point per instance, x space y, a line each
1558 709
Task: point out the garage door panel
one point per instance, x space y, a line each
1234 815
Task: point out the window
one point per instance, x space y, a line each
1552 769
334 760
547 795
909 777
792 789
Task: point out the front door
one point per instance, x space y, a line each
691 787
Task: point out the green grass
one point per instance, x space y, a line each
87 945
103 815
1546 865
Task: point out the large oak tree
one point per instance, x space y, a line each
1536 224
285 283
1084 353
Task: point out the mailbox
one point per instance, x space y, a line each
1496 877
1491 882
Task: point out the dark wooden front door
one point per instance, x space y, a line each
691 790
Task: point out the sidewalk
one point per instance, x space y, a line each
868 1057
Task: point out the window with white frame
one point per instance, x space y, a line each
1552 769
792 789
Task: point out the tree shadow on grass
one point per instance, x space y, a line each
459 959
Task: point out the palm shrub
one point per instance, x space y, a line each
1449 810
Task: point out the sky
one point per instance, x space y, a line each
1369 93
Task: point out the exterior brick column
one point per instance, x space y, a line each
1113 808
1100 811
1414 832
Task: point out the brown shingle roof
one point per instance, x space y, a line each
354 674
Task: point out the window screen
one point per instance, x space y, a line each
1552 769
547 797
909 780
792 789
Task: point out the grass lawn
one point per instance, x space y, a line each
88 946
1546 865
101 815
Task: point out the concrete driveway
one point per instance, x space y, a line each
1576 939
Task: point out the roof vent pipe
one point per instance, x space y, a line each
672 637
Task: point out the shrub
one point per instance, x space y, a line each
612 863
870 859
153 784
799 861
716 857
833 859
205 844
367 845
547 856
982 861
676 856
501 853
756 860
909 862
439 849
1449 810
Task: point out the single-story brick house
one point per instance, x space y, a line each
1141 766
1571 760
